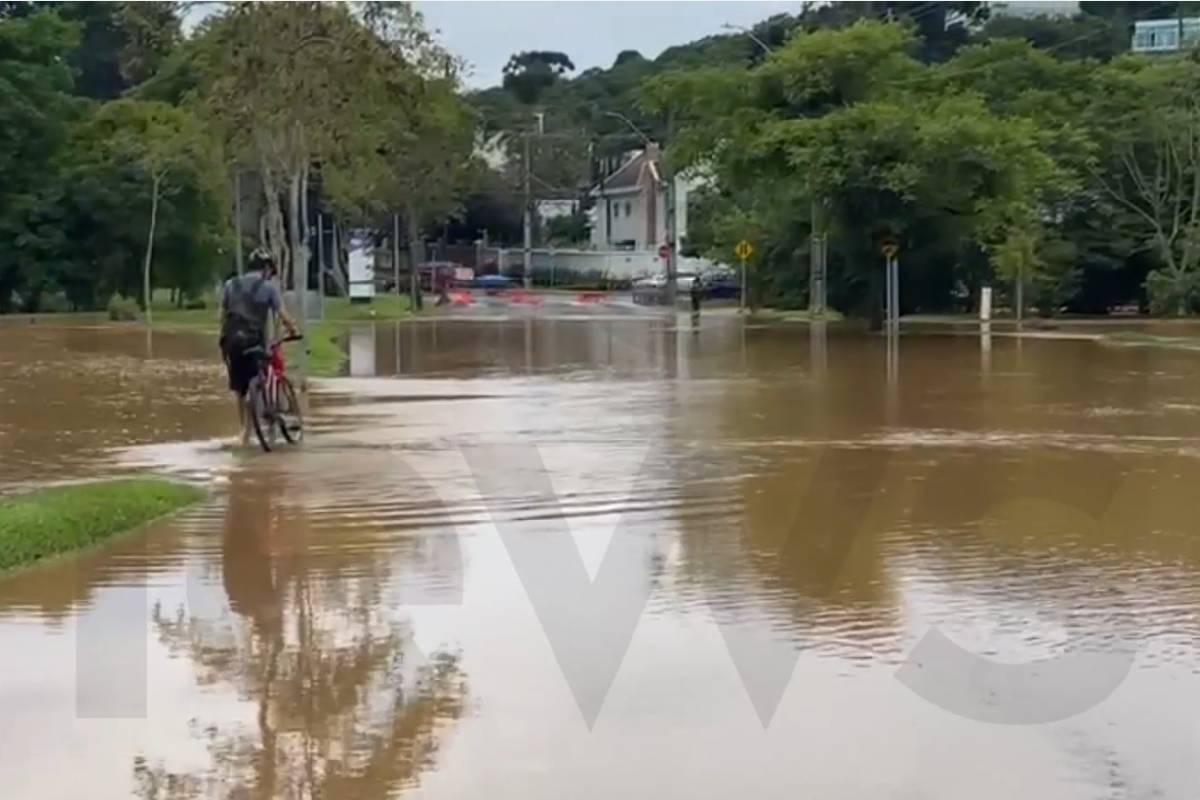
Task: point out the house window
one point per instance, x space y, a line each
628 209
616 209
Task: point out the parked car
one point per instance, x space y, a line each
493 284
652 290
723 285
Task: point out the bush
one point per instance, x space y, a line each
1172 292
122 308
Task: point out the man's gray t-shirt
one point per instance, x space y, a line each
263 296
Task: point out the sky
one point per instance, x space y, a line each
590 32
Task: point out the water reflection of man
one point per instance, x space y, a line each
248 546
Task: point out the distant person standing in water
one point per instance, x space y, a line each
697 293
247 303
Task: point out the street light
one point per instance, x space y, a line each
731 27
668 190
819 244
617 115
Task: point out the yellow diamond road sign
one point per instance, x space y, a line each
744 250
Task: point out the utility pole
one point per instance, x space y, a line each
817 264
528 220
321 265
672 242
1020 293
237 213
396 256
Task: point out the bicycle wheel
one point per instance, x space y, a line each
262 415
291 420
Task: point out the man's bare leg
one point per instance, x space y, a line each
243 419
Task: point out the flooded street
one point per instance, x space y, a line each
616 556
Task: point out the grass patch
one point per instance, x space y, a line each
829 315
64 518
383 307
325 354
1152 340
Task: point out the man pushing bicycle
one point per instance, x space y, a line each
247 303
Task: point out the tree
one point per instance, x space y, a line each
151 32
528 74
848 121
35 113
160 142
1147 114
284 83
411 148
1075 37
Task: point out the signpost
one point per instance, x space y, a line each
744 251
891 249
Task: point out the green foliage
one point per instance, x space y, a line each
65 518
568 230
122 309
527 75
36 111
76 176
1058 278
1075 37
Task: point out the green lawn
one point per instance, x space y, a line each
325 354
64 518
383 307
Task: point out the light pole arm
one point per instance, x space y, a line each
754 38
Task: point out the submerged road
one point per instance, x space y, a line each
582 554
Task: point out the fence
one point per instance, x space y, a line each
553 267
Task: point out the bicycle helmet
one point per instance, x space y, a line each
261 260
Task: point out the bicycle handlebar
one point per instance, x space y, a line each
295 337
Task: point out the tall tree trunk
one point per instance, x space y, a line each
415 257
276 235
237 218
305 231
150 246
334 268
296 247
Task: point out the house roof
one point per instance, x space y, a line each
630 175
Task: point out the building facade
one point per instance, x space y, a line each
630 210
1165 35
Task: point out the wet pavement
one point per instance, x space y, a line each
584 556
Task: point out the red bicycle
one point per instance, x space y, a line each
271 398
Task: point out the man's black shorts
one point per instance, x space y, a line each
242 366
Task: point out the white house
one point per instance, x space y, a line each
1163 35
630 211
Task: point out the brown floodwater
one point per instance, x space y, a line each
622 556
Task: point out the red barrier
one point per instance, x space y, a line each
591 297
525 298
462 298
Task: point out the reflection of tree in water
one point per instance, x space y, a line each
345 704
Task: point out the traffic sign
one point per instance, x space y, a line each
890 247
664 251
744 250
